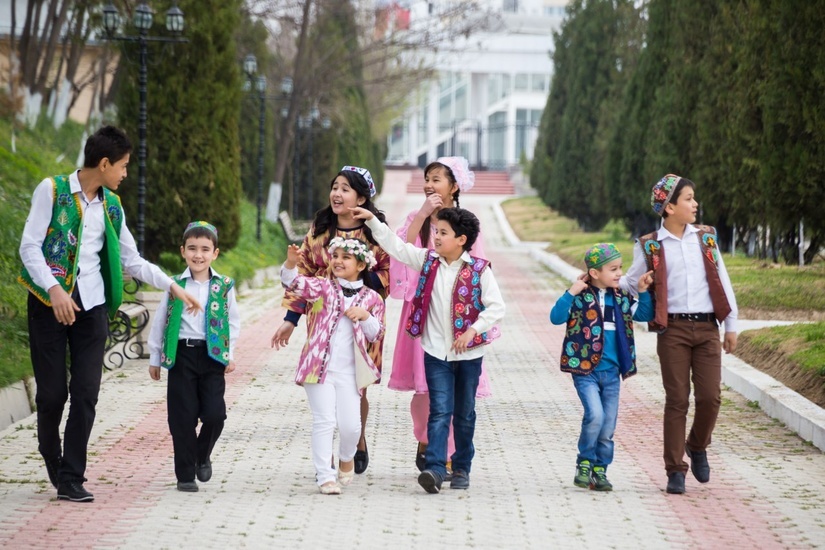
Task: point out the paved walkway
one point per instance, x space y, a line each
765 491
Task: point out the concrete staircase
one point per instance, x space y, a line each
487 183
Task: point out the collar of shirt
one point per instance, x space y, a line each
74 185
350 284
187 274
465 257
665 234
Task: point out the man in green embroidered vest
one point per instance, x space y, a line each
73 246
200 348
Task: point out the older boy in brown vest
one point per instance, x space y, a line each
692 293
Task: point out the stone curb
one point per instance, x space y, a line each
778 401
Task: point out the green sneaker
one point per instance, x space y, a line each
582 478
598 479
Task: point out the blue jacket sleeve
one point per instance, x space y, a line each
644 311
292 316
561 310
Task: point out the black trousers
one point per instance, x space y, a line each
195 390
86 340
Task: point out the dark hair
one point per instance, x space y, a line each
198 232
463 222
108 142
674 198
326 221
424 234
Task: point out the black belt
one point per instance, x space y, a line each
192 343
698 317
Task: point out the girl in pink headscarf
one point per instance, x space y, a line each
444 180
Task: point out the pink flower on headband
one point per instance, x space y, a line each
464 178
364 172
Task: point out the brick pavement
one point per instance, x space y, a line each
765 489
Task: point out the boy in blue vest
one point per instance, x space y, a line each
457 302
75 247
197 350
599 351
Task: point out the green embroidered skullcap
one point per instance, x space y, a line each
600 254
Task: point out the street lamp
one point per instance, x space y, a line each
250 66
142 21
306 125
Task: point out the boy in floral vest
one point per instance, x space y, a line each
599 351
691 293
454 311
75 247
197 350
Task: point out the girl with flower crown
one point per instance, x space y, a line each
335 364
444 180
352 186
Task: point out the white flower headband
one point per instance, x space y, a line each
355 247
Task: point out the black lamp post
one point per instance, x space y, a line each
307 125
143 22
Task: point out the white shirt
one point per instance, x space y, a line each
687 282
192 326
438 330
89 279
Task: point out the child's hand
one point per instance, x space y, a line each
577 287
361 213
431 204
461 343
357 314
645 281
229 368
293 254
191 303
281 336
154 373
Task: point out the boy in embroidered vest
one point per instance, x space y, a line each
455 305
691 293
197 350
599 350
73 246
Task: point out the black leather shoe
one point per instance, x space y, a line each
420 456
188 486
699 465
204 471
676 483
53 469
362 460
461 480
74 491
430 480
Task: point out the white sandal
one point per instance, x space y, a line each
330 488
345 478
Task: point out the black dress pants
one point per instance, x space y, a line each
86 340
195 390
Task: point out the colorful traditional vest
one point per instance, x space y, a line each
217 323
655 260
583 344
60 247
466 301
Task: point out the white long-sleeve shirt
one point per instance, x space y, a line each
437 338
193 326
89 279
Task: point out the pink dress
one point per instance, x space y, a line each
408 358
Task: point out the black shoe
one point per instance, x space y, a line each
420 456
699 465
362 460
74 491
461 480
188 486
430 480
53 469
204 471
676 483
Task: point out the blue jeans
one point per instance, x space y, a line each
452 386
599 394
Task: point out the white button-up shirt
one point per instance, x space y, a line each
89 279
438 331
687 282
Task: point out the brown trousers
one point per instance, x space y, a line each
689 349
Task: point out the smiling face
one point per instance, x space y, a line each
342 197
437 182
199 253
345 265
446 244
683 210
114 173
608 275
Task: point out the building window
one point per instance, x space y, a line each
521 82
510 6
538 82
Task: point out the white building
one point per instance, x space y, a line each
487 100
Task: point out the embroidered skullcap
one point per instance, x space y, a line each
356 247
464 178
600 254
206 225
663 192
364 172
